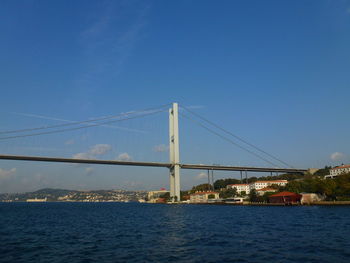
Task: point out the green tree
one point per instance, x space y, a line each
253 196
184 195
266 196
211 196
201 187
329 188
343 185
294 186
227 193
222 183
166 196
322 172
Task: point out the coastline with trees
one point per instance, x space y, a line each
331 190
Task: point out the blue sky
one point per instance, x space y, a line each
273 72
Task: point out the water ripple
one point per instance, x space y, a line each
113 232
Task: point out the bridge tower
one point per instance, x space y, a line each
174 153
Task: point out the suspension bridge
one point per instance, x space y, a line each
174 165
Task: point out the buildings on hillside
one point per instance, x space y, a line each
334 172
239 187
258 185
262 184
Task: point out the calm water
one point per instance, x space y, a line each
113 232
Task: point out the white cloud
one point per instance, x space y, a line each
81 156
5 174
124 157
94 152
336 156
161 148
202 175
100 149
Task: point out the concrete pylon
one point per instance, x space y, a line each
174 153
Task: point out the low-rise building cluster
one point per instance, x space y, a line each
334 172
157 196
260 186
59 195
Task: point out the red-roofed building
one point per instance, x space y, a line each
334 172
285 198
203 197
161 200
153 196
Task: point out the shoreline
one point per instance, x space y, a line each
319 203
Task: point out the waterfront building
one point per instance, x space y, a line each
334 172
161 200
153 196
203 197
234 200
37 200
285 198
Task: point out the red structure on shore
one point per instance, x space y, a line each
285 198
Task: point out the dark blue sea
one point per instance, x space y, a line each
131 232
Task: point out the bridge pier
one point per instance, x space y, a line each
174 153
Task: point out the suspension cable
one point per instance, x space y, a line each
227 139
237 137
83 127
85 121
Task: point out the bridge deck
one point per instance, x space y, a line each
151 164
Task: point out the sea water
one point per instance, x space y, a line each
133 232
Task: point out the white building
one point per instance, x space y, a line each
334 172
239 187
256 185
262 184
203 197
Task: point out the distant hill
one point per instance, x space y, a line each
52 194
54 191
